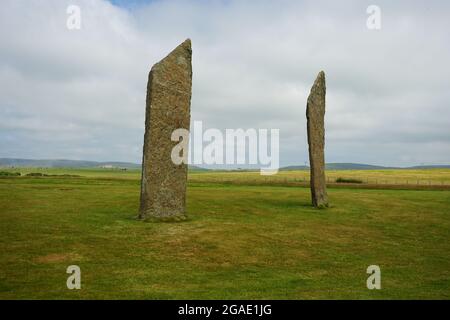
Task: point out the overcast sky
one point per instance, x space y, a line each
80 94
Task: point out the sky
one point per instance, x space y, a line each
80 94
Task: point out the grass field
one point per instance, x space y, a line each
241 240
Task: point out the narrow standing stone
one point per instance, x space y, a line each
163 185
315 113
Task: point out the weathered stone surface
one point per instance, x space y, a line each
315 114
163 185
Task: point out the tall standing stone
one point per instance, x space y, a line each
163 185
315 114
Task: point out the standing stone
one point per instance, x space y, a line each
163 185
315 113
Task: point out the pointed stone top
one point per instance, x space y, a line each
319 83
320 78
186 44
182 50
321 74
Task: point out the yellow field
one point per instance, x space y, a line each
390 176
423 177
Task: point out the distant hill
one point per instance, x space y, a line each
290 168
444 166
62 163
339 166
362 166
196 168
353 166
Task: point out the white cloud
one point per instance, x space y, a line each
81 93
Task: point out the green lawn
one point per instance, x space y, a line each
240 242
